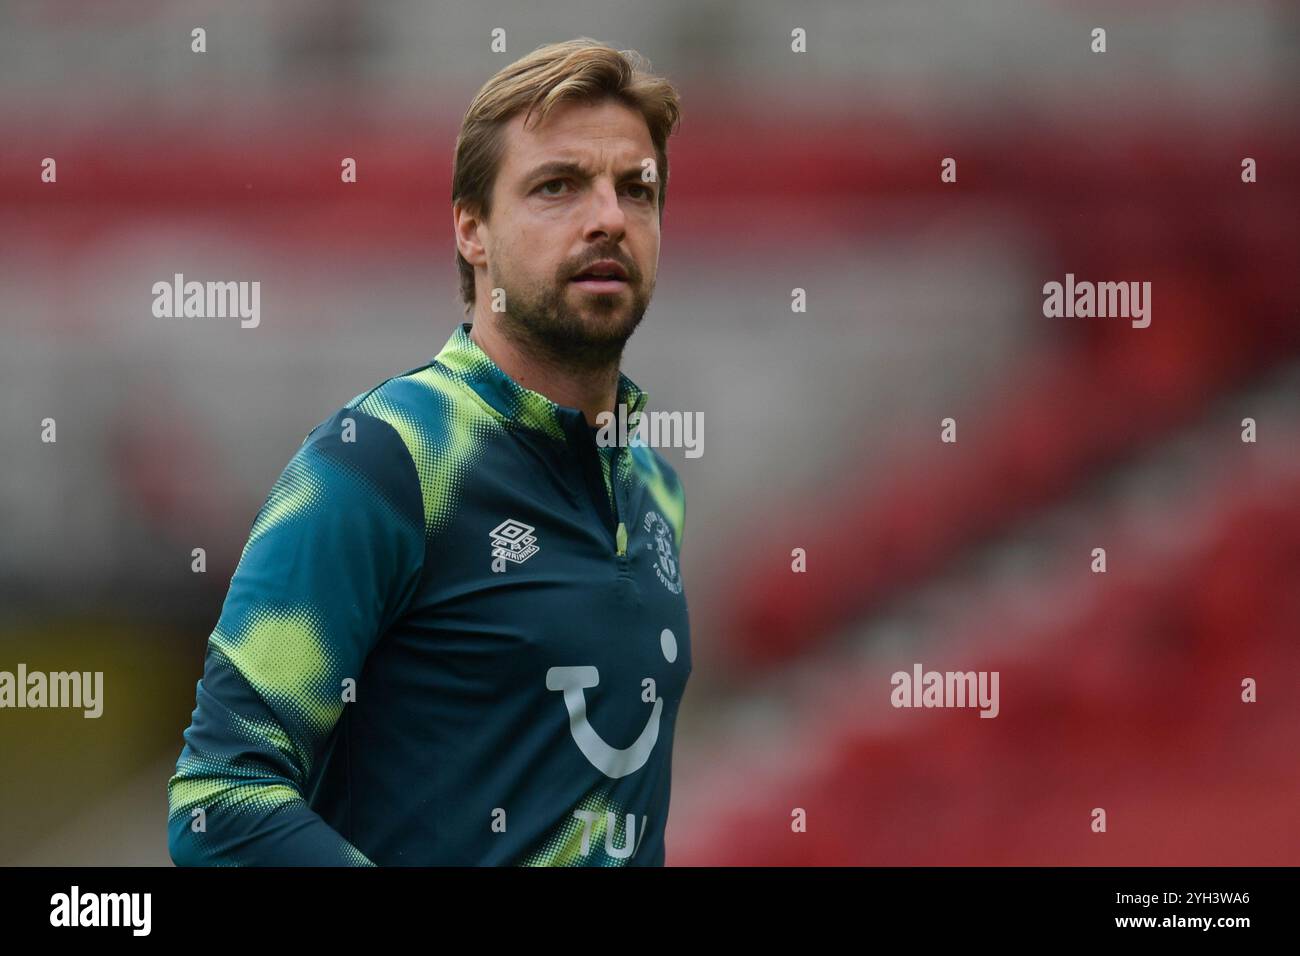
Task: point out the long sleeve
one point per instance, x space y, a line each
332 560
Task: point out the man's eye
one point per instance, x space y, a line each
646 191
553 182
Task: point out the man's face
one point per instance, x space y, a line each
568 195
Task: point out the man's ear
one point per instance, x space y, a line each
465 223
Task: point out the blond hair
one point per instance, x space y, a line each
583 70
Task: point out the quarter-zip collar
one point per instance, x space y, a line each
522 406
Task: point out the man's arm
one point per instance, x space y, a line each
332 560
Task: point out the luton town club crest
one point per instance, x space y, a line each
665 559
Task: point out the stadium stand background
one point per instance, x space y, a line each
817 171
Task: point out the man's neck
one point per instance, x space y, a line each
591 391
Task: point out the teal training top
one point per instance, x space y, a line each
457 635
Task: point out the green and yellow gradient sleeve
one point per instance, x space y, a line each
333 558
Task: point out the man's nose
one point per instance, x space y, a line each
605 214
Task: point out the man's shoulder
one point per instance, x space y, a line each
351 466
426 408
665 487
653 460
422 427
427 390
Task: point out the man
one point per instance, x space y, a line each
458 633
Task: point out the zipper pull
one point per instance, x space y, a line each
620 538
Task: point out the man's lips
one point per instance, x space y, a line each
602 277
592 284
603 269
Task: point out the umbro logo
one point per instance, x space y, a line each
512 541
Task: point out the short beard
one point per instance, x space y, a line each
544 325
